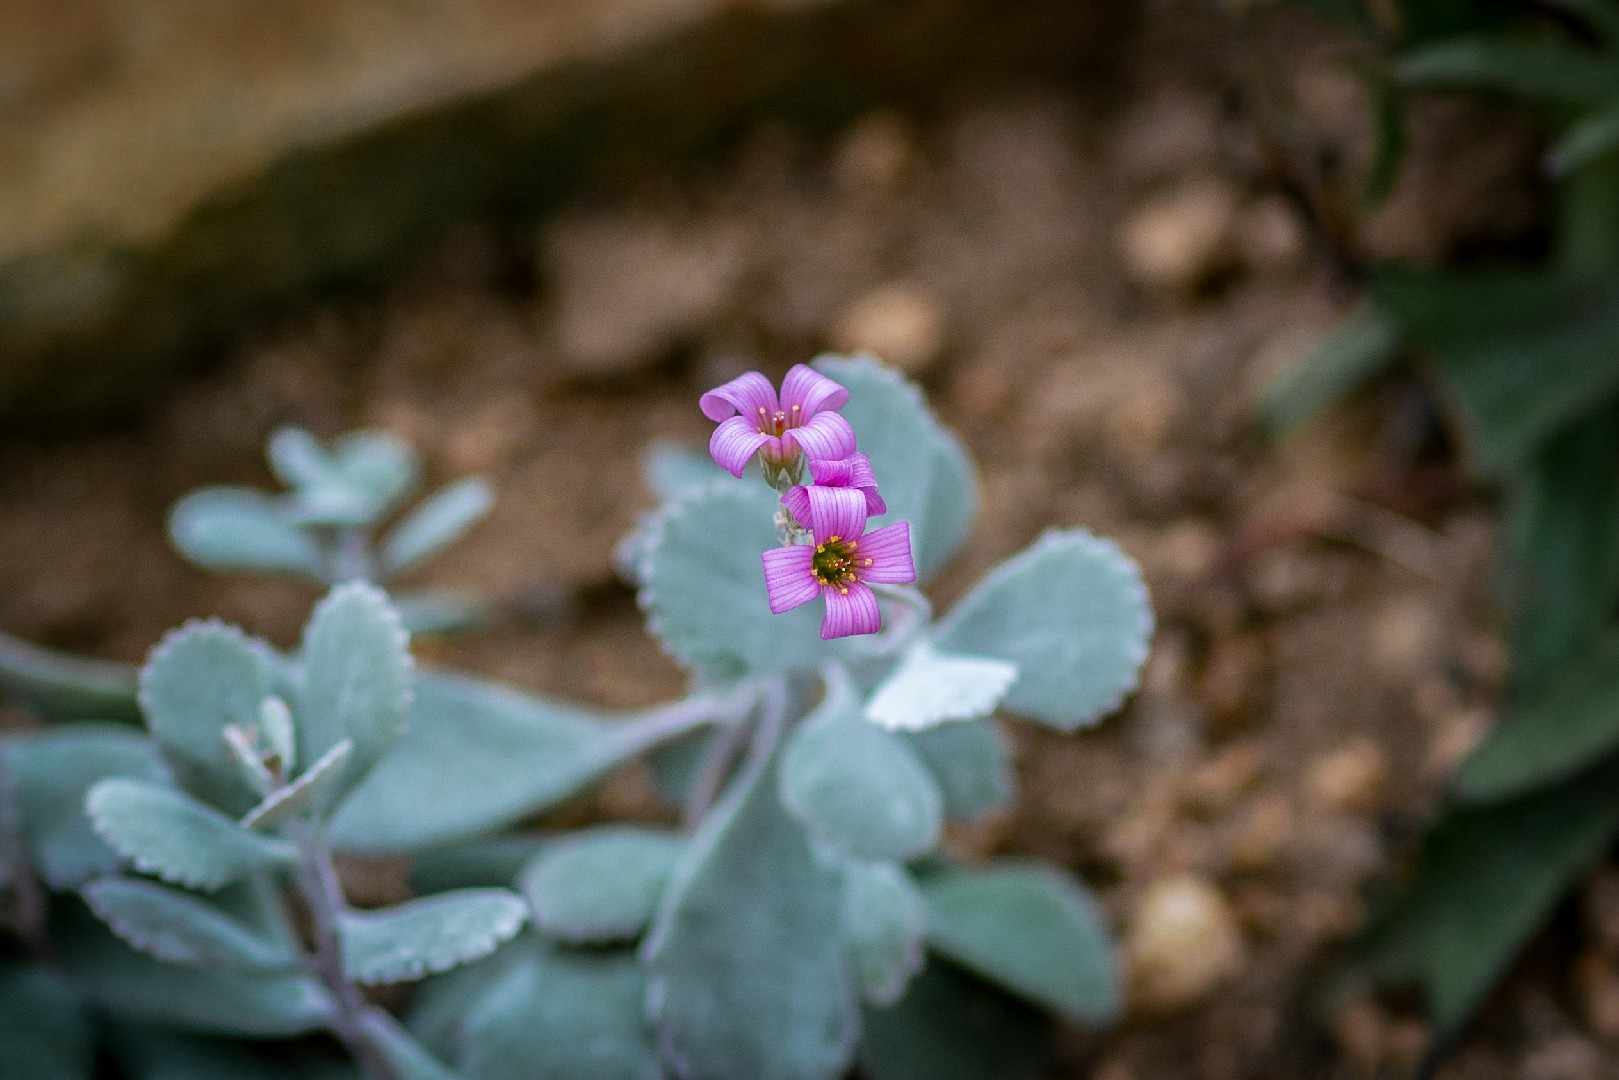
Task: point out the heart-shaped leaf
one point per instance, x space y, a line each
564 1013
929 687
601 884
748 980
859 789
200 679
1071 612
52 772
56 686
970 763
885 923
178 928
490 755
166 832
925 476
286 803
356 681
232 529
1030 929
421 937
437 523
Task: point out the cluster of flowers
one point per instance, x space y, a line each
827 551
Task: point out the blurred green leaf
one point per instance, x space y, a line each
418 938
441 612
1489 878
315 785
928 688
44 1034
378 466
56 686
600 884
885 923
1031 929
1522 355
494 862
1390 141
1364 344
408 1058
233 529
1594 135
970 762
165 832
1540 70
439 521
179 928
953 1026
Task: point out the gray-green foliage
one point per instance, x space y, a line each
1524 360
802 919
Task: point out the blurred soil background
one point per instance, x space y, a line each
1094 276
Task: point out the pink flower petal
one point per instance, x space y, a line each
874 502
789 577
827 435
889 549
798 504
861 475
734 443
839 512
811 392
746 394
833 472
850 609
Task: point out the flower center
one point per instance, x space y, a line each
777 422
834 562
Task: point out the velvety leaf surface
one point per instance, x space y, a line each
437 523
43 1032
421 937
378 466
1030 928
356 680
952 1026
231 529
55 686
179 928
885 922
1071 612
53 772
970 763
564 1013
315 784
859 789
929 687
600 884
925 477
754 990
490 756
164 831
197 681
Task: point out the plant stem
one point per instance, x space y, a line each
323 893
712 770
31 905
351 558
667 723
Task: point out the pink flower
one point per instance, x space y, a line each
802 420
843 559
850 472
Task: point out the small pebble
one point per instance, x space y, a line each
1349 780
902 323
1183 942
1177 242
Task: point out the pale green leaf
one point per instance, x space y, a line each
56 686
1032 930
178 928
601 884
420 937
952 1026
970 763
233 529
929 687
379 467
885 923
1540 70
166 832
356 681
1071 612
44 1034
407 1057
438 522
291 800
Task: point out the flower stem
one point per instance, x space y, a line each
668 723
323 894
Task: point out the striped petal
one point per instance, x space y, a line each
850 609
798 504
826 435
790 577
839 512
889 549
834 472
734 443
811 392
748 394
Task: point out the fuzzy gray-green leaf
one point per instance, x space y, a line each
748 980
602 884
234 530
1032 930
860 789
164 831
885 923
421 937
52 771
970 763
356 681
1071 612
178 928
56 686
287 802
437 523
200 679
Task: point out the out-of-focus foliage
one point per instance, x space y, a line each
1526 359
